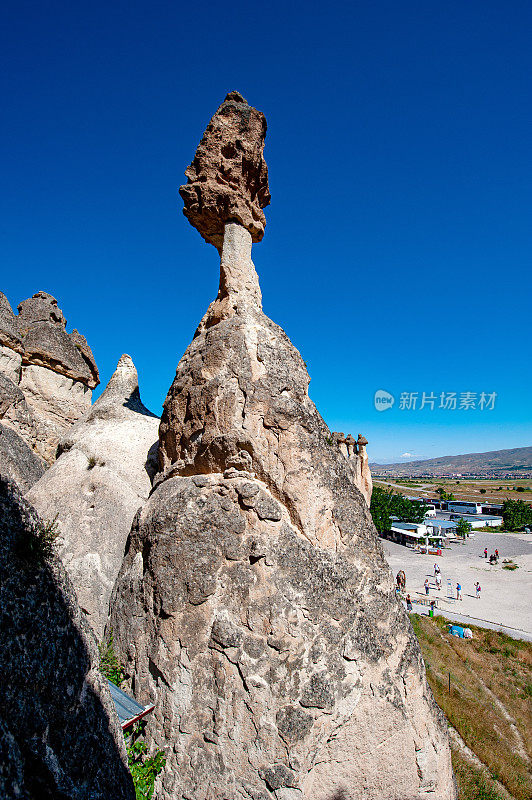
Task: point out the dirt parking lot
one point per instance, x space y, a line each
506 596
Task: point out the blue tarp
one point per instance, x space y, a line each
127 707
456 630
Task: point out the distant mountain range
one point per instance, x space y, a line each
497 463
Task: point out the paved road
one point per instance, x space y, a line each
506 597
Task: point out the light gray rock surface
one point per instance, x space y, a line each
18 462
10 363
59 733
55 371
9 331
97 484
254 606
54 397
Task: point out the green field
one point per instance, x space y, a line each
496 491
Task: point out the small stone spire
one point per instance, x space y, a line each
121 392
351 446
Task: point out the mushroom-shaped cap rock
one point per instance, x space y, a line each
228 178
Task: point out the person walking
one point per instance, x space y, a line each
438 582
497 554
427 585
485 552
458 592
477 590
408 603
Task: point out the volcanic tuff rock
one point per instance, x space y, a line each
46 342
17 461
54 369
97 484
254 606
228 179
59 733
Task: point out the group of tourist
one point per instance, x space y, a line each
494 557
401 584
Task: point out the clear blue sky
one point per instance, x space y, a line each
398 250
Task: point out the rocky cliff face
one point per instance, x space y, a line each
53 370
59 734
101 478
254 606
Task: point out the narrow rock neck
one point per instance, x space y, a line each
238 278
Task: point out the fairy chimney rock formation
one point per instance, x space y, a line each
254 606
228 178
98 483
354 451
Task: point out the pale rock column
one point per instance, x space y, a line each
238 276
366 486
351 446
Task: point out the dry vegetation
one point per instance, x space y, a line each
489 705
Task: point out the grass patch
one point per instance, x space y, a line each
110 665
486 671
472 782
37 543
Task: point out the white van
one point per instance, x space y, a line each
430 512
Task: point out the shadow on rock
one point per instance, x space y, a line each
59 734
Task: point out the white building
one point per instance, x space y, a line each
413 534
479 520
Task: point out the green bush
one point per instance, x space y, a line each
462 528
110 666
144 768
37 542
385 504
516 514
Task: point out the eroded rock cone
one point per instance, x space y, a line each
254 606
96 486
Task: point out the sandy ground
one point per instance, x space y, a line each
506 597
